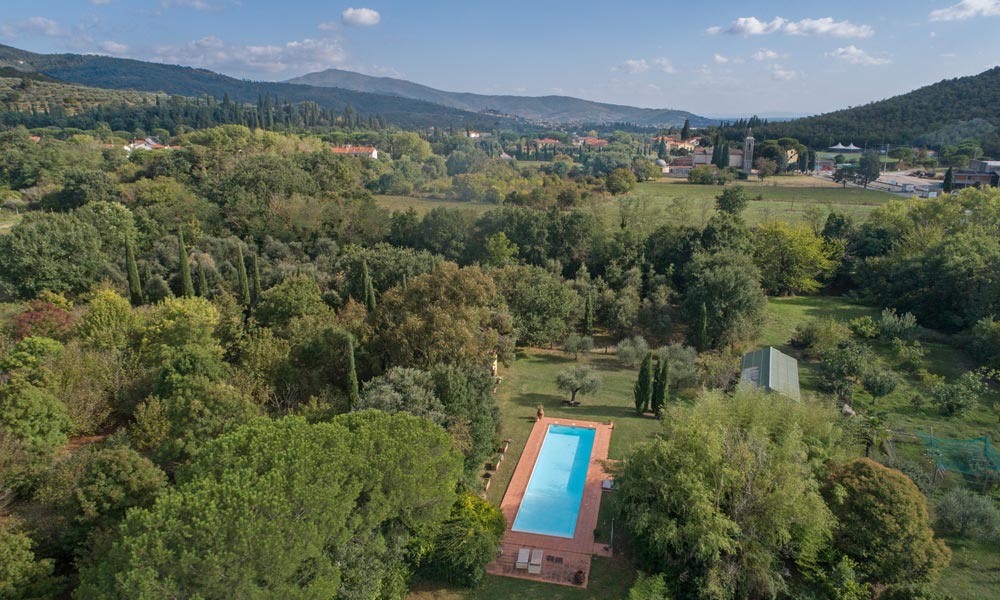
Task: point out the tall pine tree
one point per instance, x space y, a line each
134 285
187 286
644 385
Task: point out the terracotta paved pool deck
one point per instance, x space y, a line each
574 553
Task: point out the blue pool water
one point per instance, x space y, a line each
552 500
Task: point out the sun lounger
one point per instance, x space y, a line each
535 566
522 558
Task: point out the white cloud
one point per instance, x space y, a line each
856 56
295 57
633 66
113 47
664 64
34 26
360 17
765 54
826 26
720 59
967 9
99 2
780 73
329 26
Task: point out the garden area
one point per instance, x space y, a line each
529 382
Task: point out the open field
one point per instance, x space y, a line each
529 381
651 204
794 198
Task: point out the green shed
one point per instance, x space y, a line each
770 369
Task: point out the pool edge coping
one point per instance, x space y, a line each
581 546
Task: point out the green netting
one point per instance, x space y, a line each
975 457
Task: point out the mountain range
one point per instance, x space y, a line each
400 102
554 110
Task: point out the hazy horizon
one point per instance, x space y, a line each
776 58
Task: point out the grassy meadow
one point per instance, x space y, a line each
530 381
789 198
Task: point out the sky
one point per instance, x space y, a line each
720 59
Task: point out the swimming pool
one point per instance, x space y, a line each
551 501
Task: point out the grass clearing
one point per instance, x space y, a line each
425 205
793 198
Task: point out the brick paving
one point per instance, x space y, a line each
564 557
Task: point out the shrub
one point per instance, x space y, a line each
818 336
958 397
910 355
986 342
893 325
864 327
968 515
632 350
649 587
467 541
683 370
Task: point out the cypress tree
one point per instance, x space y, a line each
702 327
254 278
588 315
644 385
187 286
352 375
241 270
661 386
366 280
134 285
949 180
686 130
202 280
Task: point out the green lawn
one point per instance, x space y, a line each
796 199
788 198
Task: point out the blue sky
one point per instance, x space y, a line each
717 58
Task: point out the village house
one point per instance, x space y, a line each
361 151
546 142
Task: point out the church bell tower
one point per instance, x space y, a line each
748 151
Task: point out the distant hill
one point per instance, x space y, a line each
541 109
33 92
943 112
126 74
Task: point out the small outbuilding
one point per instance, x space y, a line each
770 369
